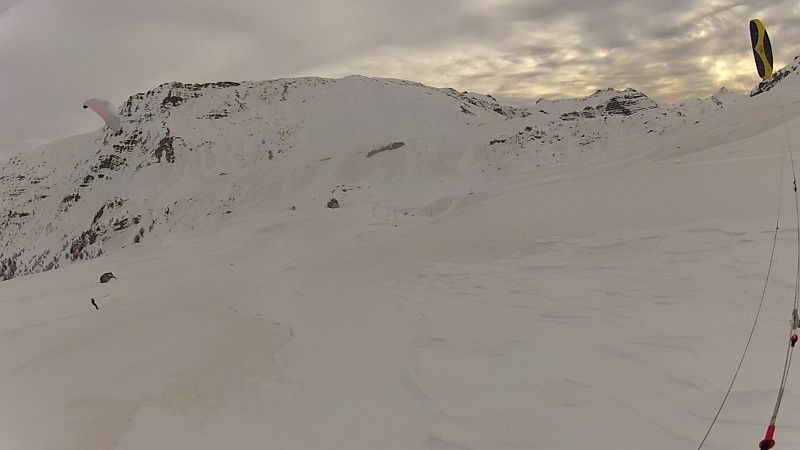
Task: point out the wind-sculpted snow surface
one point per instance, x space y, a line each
189 154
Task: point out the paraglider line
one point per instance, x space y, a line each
787 362
758 310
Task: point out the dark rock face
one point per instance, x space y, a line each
165 148
172 100
71 198
624 103
216 115
106 277
333 203
200 86
110 162
392 146
8 266
622 106
78 246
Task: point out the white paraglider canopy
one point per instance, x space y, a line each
106 110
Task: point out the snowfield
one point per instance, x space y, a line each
585 281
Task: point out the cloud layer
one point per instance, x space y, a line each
54 54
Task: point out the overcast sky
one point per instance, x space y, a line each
54 54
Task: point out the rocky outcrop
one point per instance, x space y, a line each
392 146
612 103
778 77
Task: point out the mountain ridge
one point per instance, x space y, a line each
191 154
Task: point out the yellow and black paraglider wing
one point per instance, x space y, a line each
762 50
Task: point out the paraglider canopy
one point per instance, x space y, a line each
762 49
104 109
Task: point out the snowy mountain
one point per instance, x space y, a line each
607 102
190 154
722 98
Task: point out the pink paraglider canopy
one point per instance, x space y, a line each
104 109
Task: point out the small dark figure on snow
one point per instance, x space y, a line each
95 305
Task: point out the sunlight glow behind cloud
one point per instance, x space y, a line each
54 54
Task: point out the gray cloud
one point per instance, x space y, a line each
54 53
5 5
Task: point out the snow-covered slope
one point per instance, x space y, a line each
190 154
504 279
784 77
722 98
